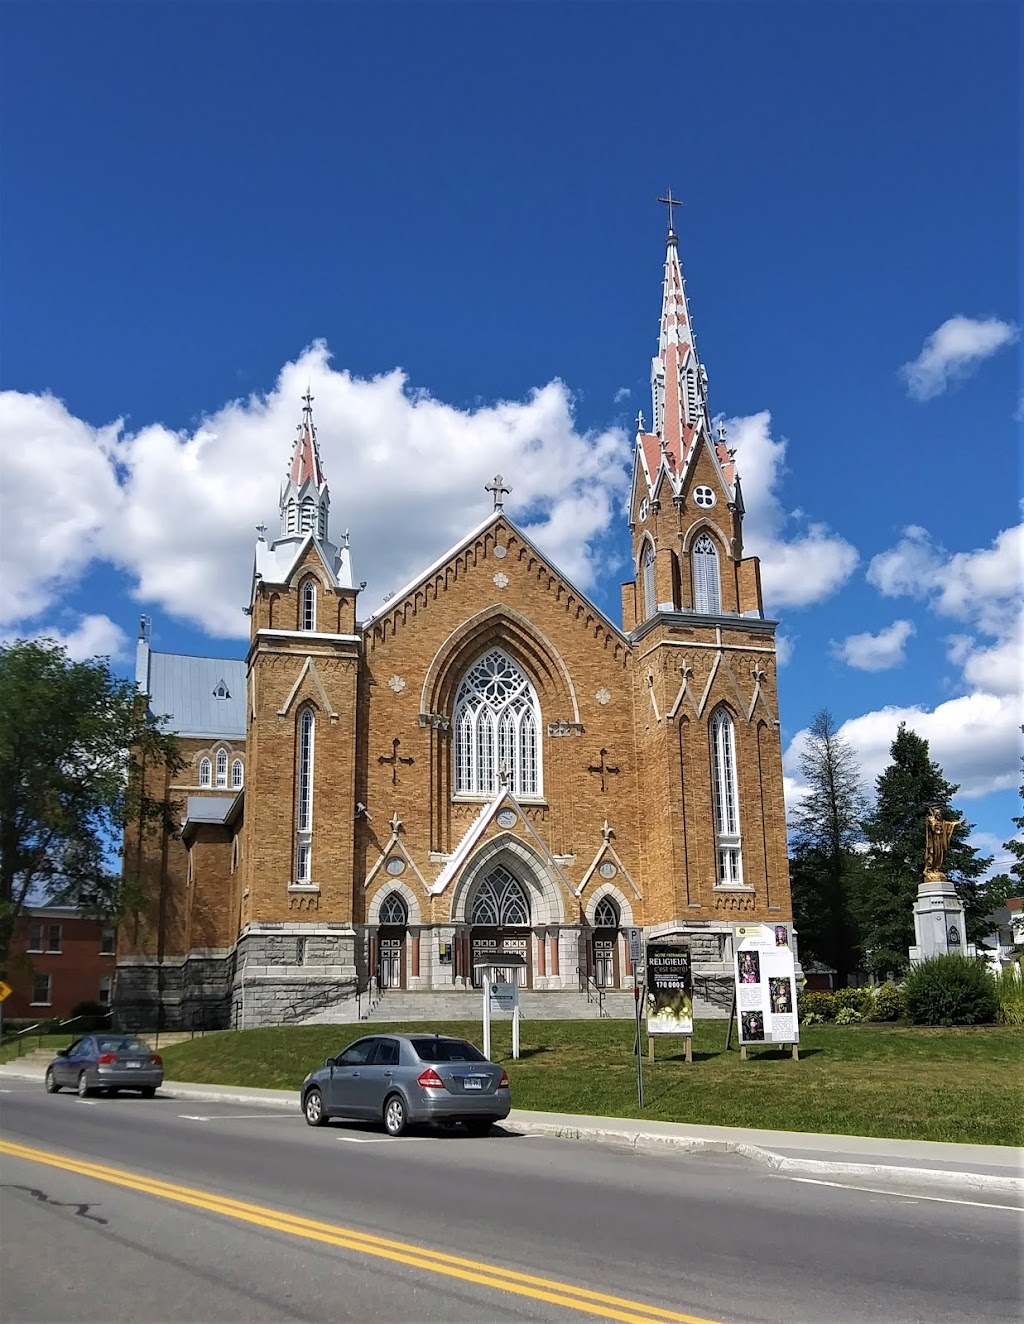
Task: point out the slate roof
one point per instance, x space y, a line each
181 688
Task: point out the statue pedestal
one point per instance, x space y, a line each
939 924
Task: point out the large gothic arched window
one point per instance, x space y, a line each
393 910
707 591
304 798
727 805
606 914
497 722
500 901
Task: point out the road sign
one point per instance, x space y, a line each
635 938
5 991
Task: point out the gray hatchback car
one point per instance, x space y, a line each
408 1080
108 1062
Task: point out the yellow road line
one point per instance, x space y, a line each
418 1257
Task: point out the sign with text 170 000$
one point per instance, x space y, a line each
765 984
669 988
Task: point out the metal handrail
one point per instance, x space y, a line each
589 979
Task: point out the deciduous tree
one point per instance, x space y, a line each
73 740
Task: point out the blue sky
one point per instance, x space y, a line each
211 204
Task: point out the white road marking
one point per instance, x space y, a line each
236 1117
373 1140
909 1195
89 1103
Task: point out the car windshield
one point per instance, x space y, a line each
446 1050
112 1045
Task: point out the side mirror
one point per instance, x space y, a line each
329 1062
63 1052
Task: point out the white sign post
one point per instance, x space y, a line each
501 996
487 1012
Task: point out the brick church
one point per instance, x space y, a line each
485 764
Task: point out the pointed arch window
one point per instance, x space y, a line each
205 772
707 589
726 795
307 610
304 798
222 767
236 775
500 901
647 570
606 914
393 910
497 724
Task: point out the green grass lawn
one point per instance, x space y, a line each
873 1080
51 1042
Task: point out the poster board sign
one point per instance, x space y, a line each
504 997
669 988
765 984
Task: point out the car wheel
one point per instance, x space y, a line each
395 1118
149 1092
83 1086
479 1126
51 1082
313 1109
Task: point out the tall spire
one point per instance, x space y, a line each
305 498
678 379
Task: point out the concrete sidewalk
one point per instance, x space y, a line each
910 1162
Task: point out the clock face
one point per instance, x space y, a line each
607 869
507 818
395 866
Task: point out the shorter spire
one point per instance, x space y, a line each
305 498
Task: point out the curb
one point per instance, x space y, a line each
645 1142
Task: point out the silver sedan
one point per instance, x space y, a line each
408 1080
108 1062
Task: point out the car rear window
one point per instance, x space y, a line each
112 1045
446 1050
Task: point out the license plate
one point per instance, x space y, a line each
134 1065
473 1083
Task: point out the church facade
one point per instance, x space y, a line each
484 765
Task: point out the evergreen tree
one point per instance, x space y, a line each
1016 847
825 862
73 741
887 889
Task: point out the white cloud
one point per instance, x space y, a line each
785 645
621 395
58 491
93 636
407 474
987 843
952 351
876 652
797 569
973 738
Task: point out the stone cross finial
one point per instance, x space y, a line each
607 833
499 491
639 420
396 823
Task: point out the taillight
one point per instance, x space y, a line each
107 1059
156 1060
503 1083
430 1080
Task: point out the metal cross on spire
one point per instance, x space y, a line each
671 202
499 491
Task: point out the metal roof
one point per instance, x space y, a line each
182 689
209 808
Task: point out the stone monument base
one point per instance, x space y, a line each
939 923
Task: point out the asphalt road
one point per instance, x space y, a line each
160 1210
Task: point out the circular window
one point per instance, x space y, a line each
395 866
607 869
645 508
704 497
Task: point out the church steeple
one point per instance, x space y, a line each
305 497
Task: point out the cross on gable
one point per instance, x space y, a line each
394 759
605 769
498 490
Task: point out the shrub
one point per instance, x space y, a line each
93 1016
951 990
889 1004
1010 990
813 1018
817 1004
856 999
848 1016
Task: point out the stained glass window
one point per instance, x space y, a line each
496 729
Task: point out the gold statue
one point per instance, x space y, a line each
938 832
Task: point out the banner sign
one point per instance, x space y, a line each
765 984
669 988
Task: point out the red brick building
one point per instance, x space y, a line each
58 959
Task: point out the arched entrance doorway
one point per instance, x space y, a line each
393 920
605 959
499 917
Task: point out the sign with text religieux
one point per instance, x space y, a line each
669 988
765 984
